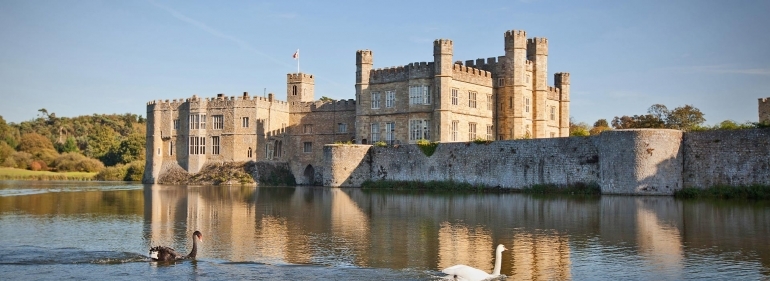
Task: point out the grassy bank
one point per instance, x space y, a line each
752 192
20 174
575 189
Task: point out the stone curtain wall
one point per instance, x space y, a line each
726 157
346 165
640 161
508 164
634 162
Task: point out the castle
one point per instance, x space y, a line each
764 110
501 98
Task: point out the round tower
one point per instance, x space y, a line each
442 81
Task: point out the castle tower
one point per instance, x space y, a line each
299 87
764 110
561 81
537 52
154 143
442 57
364 62
511 86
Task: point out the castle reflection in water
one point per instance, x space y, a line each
547 238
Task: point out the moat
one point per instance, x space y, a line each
64 230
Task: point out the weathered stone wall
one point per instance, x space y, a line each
633 162
726 157
507 164
348 165
640 161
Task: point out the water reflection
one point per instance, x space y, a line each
548 238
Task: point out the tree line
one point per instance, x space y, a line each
685 118
111 144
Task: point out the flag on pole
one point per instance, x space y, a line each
296 55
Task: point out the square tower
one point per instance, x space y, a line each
299 87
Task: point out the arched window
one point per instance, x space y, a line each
250 152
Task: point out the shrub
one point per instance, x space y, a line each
115 173
134 171
427 147
21 160
38 165
5 151
481 141
76 162
381 144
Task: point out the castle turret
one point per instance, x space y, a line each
154 143
561 81
299 87
537 52
511 86
364 62
442 57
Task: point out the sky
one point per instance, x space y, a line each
84 57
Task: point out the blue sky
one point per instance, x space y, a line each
87 56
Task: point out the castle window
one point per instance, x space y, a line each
197 121
490 105
453 129
215 145
176 124
419 130
553 113
375 100
249 153
294 90
500 82
375 132
171 148
471 131
390 98
526 104
471 99
307 147
419 94
490 132
342 127
390 132
197 145
307 129
219 122
245 122
454 96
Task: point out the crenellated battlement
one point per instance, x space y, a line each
554 93
402 73
515 39
442 46
561 78
537 46
364 56
471 75
299 77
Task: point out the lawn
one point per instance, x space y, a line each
19 174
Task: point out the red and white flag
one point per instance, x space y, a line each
296 54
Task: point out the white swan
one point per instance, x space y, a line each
464 272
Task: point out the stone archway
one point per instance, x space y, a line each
309 175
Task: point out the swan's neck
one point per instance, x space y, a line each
498 263
194 250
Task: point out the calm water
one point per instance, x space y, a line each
76 230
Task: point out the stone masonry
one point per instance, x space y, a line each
764 110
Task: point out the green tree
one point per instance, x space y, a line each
325 98
600 126
129 150
685 118
100 141
578 129
70 145
34 142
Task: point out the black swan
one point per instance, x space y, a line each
162 253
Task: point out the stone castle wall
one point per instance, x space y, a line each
633 162
726 157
